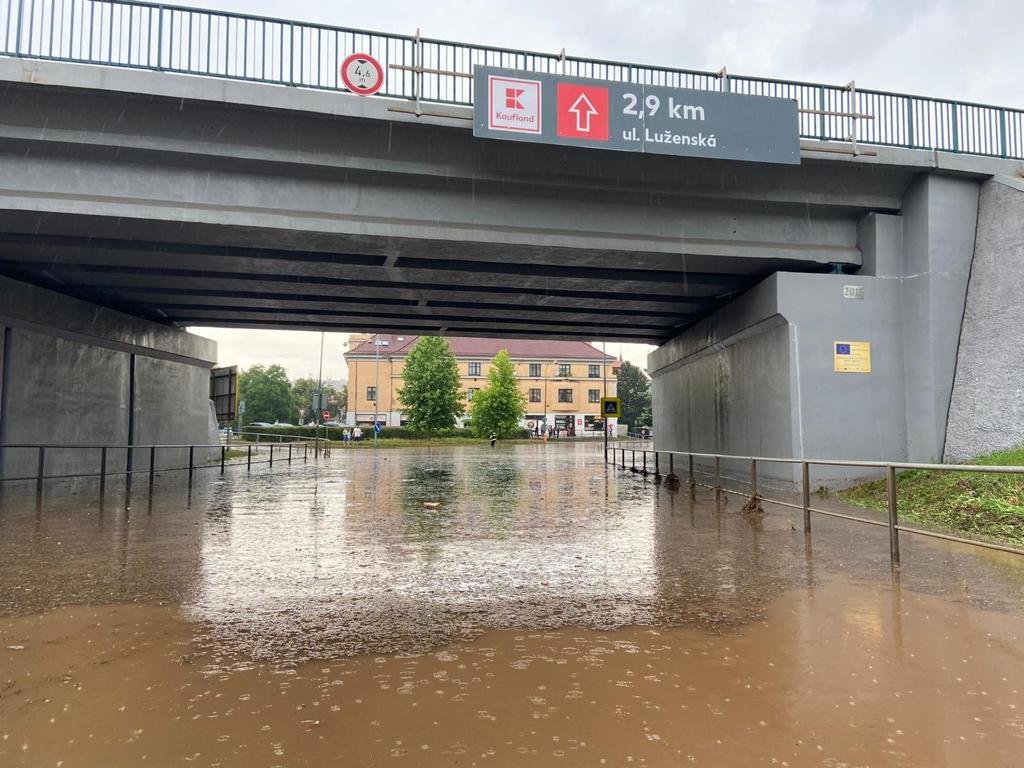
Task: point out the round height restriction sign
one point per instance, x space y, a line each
362 74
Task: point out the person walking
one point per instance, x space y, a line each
357 434
494 439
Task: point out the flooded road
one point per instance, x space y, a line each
520 606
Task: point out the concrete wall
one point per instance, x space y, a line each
939 218
74 373
912 294
757 377
986 411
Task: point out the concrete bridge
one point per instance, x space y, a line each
135 202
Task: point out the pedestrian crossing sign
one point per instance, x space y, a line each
611 407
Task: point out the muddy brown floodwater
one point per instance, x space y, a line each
516 606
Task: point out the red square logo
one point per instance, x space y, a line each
582 112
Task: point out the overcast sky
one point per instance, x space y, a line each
969 51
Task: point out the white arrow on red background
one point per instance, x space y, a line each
584 109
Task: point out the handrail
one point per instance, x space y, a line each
125 446
755 497
321 446
267 49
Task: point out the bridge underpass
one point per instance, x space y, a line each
153 201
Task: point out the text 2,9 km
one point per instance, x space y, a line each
652 103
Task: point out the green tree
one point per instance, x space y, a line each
267 395
500 406
634 390
431 395
303 390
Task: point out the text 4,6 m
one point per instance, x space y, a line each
652 103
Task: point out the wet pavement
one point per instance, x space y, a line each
513 606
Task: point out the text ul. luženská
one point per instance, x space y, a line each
651 106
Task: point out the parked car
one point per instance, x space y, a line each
282 424
259 424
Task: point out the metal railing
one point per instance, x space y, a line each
270 50
124 457
617 456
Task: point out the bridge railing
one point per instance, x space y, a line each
194 41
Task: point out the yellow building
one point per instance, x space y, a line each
563 381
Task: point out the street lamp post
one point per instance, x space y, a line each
377 344
604 389
320 400
546 378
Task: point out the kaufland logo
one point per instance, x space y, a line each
514 105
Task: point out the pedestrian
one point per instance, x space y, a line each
346 436
357 434
494 439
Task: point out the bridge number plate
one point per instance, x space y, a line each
362 74
851 356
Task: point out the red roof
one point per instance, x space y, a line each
485 349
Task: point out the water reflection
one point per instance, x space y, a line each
404 550
496 483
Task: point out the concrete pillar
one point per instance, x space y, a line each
986 410
880 239
939 220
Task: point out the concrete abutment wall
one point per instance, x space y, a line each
986 411
76 373
907 302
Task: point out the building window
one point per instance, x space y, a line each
565 370
469 393
371 394
593 395
594 371
474 369
565 395
535 370
535 395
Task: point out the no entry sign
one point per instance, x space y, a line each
362 74
631 117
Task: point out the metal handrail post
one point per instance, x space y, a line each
955 126
305 451
39 477
1002 133
805 472
289 453
894 534
623 457
693 480
152 467
159 37
657 465
645 461
223 456
103 473
632 463
17 33
191 463
753 478
271 454
248 458
718 476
